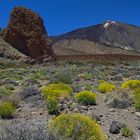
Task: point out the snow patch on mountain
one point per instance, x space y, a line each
108 24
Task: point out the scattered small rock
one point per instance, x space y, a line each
112 110
138 114
75 110
84 107
96 118
138 127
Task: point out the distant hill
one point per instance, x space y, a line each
109 37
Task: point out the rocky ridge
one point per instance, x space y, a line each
110 37
26 33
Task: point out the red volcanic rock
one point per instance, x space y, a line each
26 33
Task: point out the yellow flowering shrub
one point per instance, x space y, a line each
86 98
136 99
131 84
59 90
75 126
7 110
105 87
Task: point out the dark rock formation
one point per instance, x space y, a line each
26 33
7 51
120 103
115 127
119 100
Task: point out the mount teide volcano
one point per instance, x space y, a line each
108 38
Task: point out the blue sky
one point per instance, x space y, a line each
61 16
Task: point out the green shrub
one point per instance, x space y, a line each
88 76
131 84
53 105
38 74
10 87
89 87
13 74
64 76
86 98
106 87
13 98
136 94
101 81
4 91
76 126
126 131
7 110
59 90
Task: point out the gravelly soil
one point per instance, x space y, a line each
83 74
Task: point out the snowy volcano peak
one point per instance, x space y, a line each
108 23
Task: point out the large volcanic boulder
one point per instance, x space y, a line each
26 33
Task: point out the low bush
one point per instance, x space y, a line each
105 87
7 110
101 81
86 98
126 131
10 87
136 99
4 91
29 91
13 98
89 87
64 76
131 84
37 75
88 76
30 129
76 126
59 90
53 105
